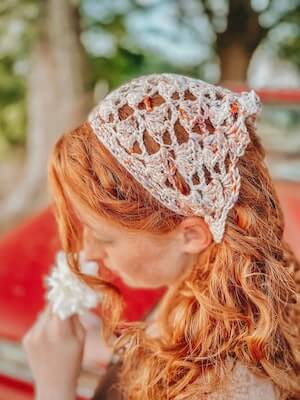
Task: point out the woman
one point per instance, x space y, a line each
166 185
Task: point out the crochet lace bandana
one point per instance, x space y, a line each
163 126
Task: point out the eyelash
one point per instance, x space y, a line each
103 241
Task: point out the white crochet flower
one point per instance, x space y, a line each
66 292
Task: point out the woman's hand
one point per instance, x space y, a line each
54 350
97 352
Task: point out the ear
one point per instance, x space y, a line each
195 235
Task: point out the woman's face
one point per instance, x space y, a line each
142 259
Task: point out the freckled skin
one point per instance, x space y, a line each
142 259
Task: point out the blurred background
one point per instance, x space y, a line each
59 57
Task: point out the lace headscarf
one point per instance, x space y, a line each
161 125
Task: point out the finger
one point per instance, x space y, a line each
78 327
63 326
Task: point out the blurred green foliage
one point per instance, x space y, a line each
124 56
289 46
16 33
12 115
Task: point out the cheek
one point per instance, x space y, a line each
144 263
126 257
133 259
152 264
164 264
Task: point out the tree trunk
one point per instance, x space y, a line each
57 100
236 45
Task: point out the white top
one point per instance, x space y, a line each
243 384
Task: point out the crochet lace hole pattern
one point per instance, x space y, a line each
181 134
167 138
217 168
209 125
157 100
189 96
219 96
227 162
125 112
196 128
181 184
175 96
172 154
149 103
169 184
136 148
207 175
151 145
195 179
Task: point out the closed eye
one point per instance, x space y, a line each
106 241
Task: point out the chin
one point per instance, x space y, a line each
133 283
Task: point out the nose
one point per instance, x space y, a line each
93 249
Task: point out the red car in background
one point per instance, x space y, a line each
28 251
